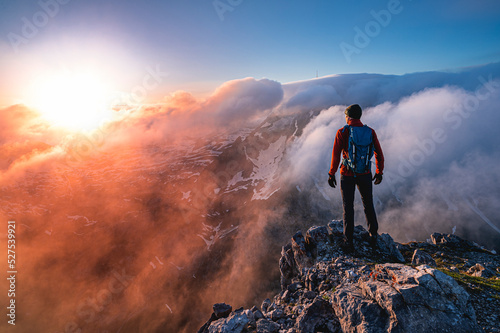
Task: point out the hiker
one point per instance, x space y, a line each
361 142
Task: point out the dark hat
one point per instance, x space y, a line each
353 111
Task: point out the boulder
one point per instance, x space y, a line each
287 266
318 240
265 305
386 245
257 314
357 313
452 241
301 254
316 235
360 234
480 271
422 258
318 317
222 310
235 323
399 298
267 326
336 228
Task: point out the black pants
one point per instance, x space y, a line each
347 188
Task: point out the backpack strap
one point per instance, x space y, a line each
345 161
372 148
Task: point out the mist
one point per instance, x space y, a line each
145 222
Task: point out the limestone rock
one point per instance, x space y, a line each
265 304
480 271
222 310
422 258
387 245
357 313
317 238
235 323
301 253
318 317
336 228
317 235
287 265
267 326
398 298
325 289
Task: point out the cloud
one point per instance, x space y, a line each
122 215
439 142
130 188
318 96
243 100
15 122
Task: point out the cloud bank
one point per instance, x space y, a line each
439 142
147 221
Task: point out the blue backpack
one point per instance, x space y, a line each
360 149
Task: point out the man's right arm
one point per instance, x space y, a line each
336 153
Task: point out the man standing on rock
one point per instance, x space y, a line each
357 143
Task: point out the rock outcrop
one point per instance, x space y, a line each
324 289
422 258
398 298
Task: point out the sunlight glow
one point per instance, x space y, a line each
74 100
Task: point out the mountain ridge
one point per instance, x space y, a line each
443 284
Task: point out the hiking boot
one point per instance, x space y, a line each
347 247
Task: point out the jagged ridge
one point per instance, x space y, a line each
327 290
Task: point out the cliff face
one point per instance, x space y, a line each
446 284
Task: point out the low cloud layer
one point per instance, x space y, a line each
147 221
439 143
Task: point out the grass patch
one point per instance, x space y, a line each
491 283
439 261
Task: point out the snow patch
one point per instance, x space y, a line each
211 234
266 167
186 195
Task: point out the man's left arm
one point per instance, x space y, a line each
379 155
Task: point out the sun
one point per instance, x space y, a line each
77 100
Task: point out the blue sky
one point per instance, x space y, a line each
280 40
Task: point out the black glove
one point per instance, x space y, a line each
377 178
332 181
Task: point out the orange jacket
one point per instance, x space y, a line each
341 144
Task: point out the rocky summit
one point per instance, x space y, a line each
445 284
